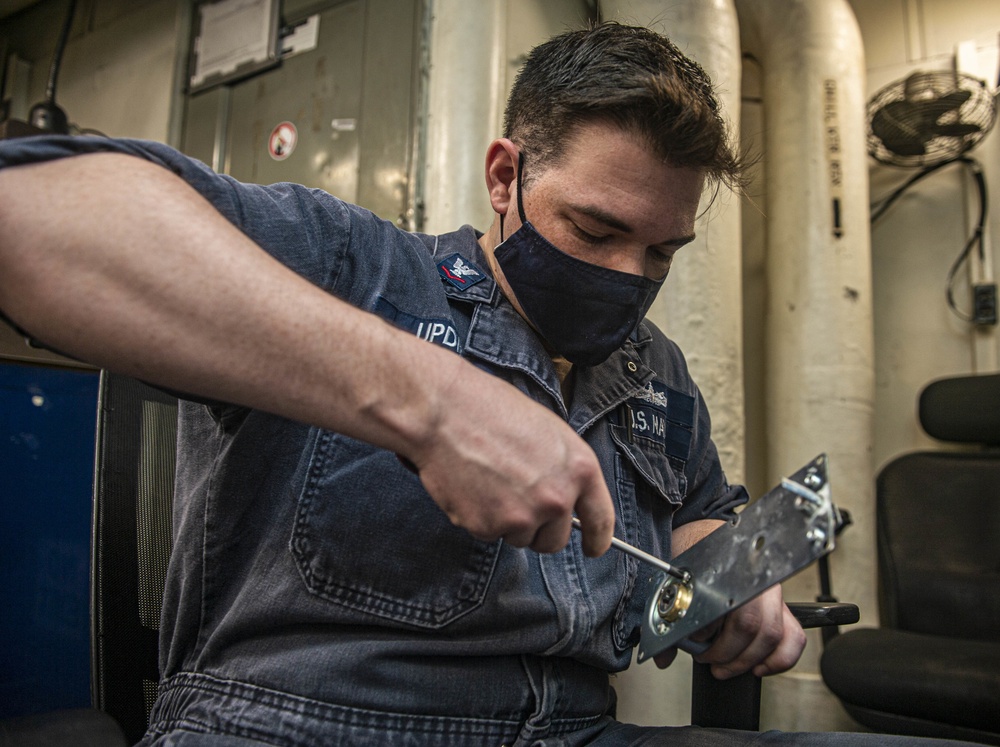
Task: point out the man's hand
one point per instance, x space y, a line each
761 636
500 465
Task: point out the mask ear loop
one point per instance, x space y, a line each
520 171
520 205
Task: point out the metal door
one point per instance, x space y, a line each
351 102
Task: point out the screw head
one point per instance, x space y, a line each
816 535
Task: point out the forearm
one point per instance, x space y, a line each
686 535
131 270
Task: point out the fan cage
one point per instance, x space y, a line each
979 110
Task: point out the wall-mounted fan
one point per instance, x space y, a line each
927 121
927 118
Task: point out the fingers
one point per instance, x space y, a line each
596 512
761 636
597 524
665 658
787 652
551 536
502 466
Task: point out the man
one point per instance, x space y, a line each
404 571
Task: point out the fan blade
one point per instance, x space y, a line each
891 124
953 99
958 129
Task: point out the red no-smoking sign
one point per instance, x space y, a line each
282 141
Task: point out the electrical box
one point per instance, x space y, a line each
985 303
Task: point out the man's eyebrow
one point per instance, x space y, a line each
612 221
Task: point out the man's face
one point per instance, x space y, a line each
611 202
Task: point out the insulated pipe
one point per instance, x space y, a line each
700 306
463 111
819 328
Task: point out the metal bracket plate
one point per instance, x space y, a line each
777 535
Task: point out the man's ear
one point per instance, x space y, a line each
501 173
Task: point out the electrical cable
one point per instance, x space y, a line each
974 239
50 88
47 115
885 203
77 130
879 208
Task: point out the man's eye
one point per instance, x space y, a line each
659 263
587 236
661 256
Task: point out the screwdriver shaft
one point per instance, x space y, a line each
644 556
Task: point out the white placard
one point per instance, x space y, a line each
233 34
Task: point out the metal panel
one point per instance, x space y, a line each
198 138
311 91
351 101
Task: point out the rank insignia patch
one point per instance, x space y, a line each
459 271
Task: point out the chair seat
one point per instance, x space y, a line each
884 674
80 727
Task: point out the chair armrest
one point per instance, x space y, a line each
823 614
735 703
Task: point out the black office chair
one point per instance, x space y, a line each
933 668
133 487
133 494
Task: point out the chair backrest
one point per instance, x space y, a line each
132 539
938 518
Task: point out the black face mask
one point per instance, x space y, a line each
584 312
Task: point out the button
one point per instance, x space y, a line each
632 367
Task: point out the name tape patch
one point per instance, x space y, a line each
664 416
437 330
459 272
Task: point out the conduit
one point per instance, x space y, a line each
819 326
465 99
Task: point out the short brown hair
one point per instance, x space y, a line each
629 76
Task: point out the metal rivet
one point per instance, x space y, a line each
813 480
632 367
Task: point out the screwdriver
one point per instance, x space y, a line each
681 575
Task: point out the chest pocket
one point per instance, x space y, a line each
369 540
659 474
